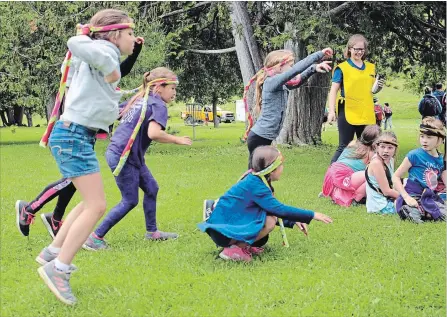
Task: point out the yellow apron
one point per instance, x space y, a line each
357 85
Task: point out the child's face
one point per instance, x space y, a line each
285 67
126 41
168 92
276 174
386 151
429 142
357 51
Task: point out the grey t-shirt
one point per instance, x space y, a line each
275 94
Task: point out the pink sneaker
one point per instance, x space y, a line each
255 250
235 253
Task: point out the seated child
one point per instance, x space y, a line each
419 200
245 215
380 194
345 181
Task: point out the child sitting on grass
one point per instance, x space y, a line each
245 215
419 199
380 194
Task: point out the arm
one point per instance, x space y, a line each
156 133
127 64
279 80
266 200
376 169
332 101
95 54
403 168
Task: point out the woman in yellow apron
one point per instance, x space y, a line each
356 80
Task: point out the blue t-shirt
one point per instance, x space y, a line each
425 169
355 164
338 75
156 111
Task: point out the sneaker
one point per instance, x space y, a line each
321 195
52 225
58 282
94 243
208 207
236 253
46 256
255 250
23 218
161 236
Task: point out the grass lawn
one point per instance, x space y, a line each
361 265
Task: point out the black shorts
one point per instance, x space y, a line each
224 242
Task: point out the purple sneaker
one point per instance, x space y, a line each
161 236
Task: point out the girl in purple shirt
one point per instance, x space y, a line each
135 173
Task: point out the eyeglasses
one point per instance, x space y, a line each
358 49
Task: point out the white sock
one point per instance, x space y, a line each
54 250
61 266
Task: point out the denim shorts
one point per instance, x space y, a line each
72 146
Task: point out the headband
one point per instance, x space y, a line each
429 130
86 29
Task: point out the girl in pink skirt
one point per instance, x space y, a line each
345 181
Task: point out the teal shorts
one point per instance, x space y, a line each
72 146
389 208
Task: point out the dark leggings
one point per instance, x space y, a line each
224 242
63 188
346 131
253 141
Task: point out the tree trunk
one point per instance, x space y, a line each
29 117
18 115
49 107
245 59
4 119
305 107
215 120
10 115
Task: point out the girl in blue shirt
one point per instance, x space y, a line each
245 215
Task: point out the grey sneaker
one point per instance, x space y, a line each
208 207
161 236
58 282
94 244
46 256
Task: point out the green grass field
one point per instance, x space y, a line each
361 265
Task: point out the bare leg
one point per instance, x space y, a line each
92 192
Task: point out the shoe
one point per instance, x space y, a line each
161 236
45 256
321 195
52 225
58 282
94 243
255 250
235 253
208 207
23 218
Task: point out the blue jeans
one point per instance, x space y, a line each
129 180
72 146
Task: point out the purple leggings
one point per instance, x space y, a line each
129 180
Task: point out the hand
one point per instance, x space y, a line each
112 77
322 218
184 140
331 117
328 51
411 201
139 40
323 67
302 227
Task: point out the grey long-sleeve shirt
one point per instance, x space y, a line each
275 94
91 101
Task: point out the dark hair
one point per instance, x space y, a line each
387 104
427 91
438 86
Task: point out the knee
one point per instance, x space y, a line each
130 204
99 207
270 223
